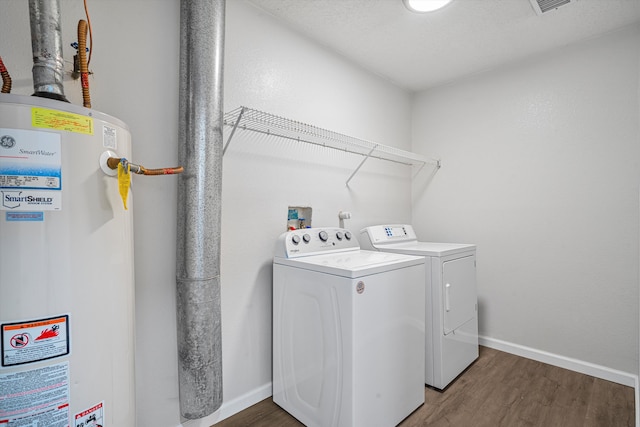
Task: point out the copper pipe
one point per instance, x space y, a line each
6 78
163 171
82 56
113 162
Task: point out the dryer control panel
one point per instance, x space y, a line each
381 234
313 241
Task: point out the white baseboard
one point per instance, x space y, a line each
576 365
232 407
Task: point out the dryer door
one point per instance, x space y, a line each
459 291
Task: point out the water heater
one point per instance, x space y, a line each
66 268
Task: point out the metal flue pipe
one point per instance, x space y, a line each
199 207
46 44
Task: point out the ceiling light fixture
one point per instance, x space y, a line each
425 5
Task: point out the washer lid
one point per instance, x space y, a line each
426 248
352 264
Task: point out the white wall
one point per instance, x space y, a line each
541 171
135 65
271 69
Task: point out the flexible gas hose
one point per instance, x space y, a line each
84 69
86 12
6 78
113 162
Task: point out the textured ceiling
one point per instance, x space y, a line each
418 51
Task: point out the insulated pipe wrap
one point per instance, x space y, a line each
199 207
46 44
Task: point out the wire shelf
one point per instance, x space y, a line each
245 118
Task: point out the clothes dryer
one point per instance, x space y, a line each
451 298
348 330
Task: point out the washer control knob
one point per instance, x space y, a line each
323 236
295 239
347 234
306 238
339 235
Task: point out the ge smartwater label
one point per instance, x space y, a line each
30 170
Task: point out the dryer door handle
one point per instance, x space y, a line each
447 302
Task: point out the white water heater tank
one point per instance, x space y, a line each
66 268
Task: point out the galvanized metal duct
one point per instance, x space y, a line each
46 44
199 207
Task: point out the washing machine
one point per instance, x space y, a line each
451 298
348 330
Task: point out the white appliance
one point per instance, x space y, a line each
66 267
348 330
451 298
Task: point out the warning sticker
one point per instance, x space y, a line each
34 340
30 170
109 137
61 120
92 417
37 397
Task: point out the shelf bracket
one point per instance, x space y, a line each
361 163
235 126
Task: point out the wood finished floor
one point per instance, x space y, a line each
498 390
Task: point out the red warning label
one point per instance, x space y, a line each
34 340
92 417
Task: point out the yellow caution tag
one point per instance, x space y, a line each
124 181
61 120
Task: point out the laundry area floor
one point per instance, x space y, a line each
498 390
